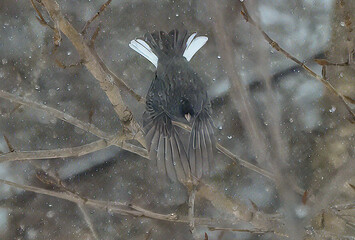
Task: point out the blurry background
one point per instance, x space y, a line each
295 126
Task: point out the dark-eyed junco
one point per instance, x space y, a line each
176 93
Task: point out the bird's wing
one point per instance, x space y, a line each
201 145
164 145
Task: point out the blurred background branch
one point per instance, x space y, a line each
282 125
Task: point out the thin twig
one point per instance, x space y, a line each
102 8
40 17
73 151
149 234
232 156
191 212
244 163
329 192
55 153
322 234
236 209
9 145
63 66
105 141
119 82
94 36
56 113
241 97
277 47
51 6
97 132
99 70
53 179
324 62
57 37
88 221
252 231
114 207
122 208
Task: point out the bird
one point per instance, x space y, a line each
176 93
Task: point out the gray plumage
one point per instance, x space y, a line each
176 93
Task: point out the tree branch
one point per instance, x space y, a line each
252 231
103 74
98 69
102 8
115 207
277 47
236 209
52 178
55 153
232 156
74 151
100 144
119 207
56 113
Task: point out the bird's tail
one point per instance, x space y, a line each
159 45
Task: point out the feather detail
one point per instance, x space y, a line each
145 50
201 145
189 40
165 147
160 44
193 45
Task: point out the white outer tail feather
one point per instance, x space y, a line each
192 46
143 49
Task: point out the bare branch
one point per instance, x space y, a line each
236 209
253 231
102 8
63 66
98 69
232 156
40 17
245 163
117 207
53 179
78 151
324 62
114 207
241 97
56 113
74 151
105 141
94 36
277 47
11 148
88 221
103 73
330 191
55 153
191 212
322 234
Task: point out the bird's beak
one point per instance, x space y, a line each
188 117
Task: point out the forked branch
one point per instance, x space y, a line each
109 82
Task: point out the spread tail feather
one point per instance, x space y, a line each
159 45
193 45
143 49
